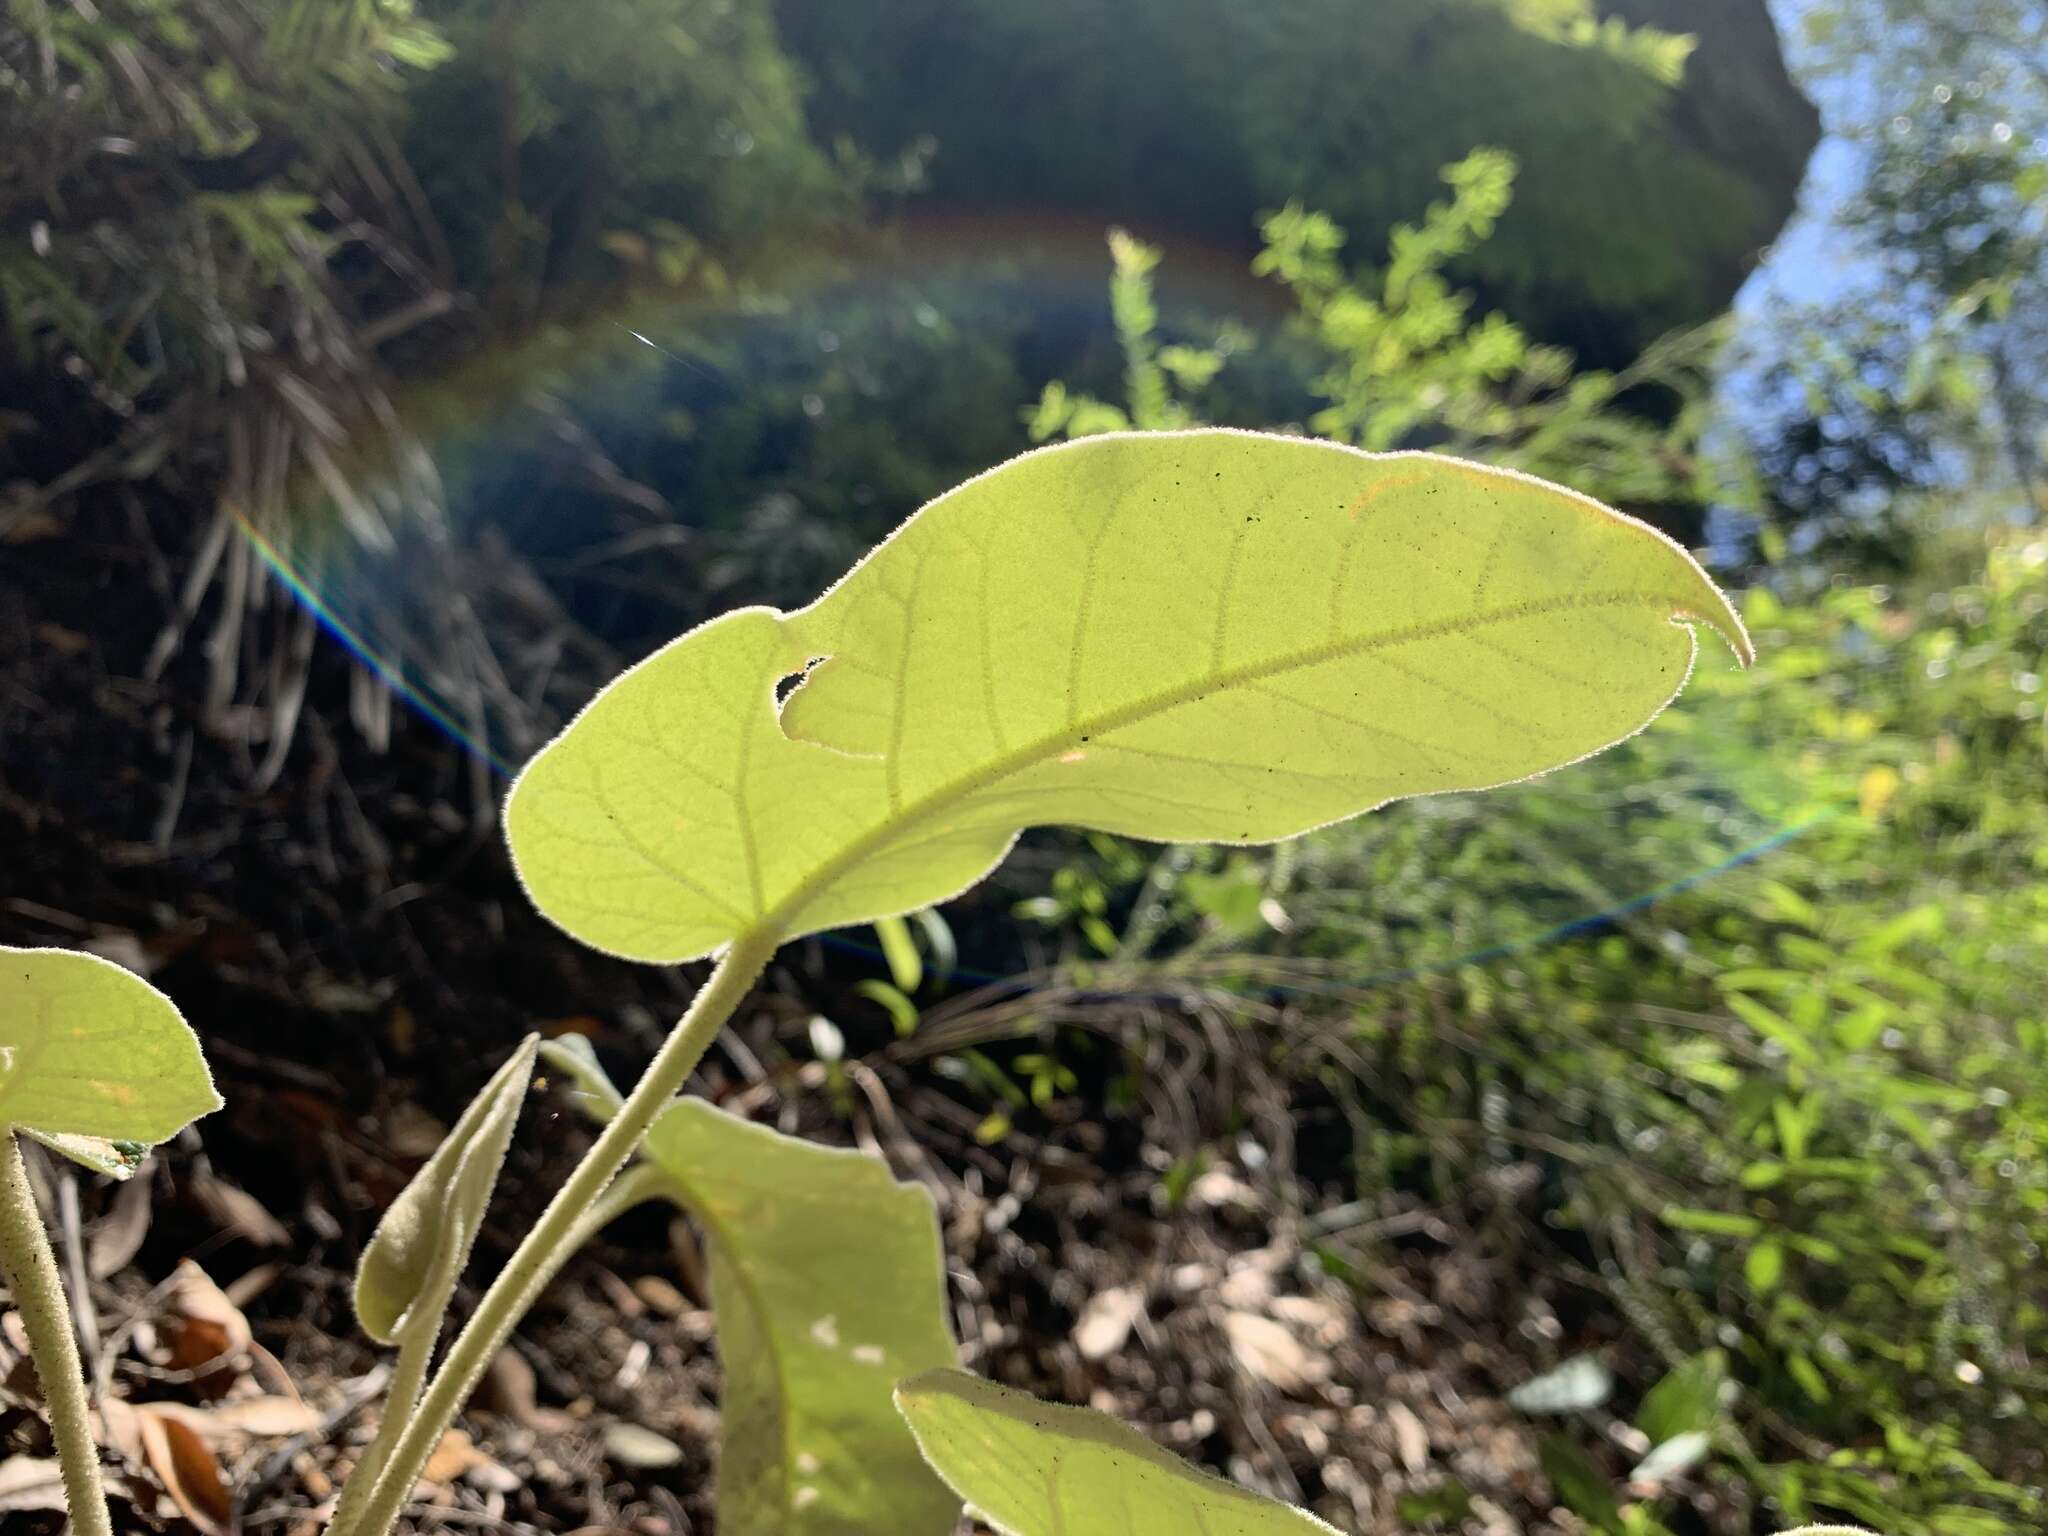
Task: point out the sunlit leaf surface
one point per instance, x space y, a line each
1203 636
827 1277
91 1054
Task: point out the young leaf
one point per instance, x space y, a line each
1040 1469
1580 1486
1202 636
1687 1400
906 966
575 1058
92 1056
828 1280
419 1248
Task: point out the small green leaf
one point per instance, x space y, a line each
1764 1266
1714 1223
829 1284
1039 1469
89 1050
576 1059
901 1010
1802 1370
1202 636
1688 1399
417 1252
906 966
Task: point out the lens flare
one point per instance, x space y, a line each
605 487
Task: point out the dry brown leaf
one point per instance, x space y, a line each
121 1431
1268 1351
237 1211
455 1455
1106 1321
31 1482
230 1424
118 1235
188 1471
201 1327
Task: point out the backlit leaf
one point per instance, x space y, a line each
906 966
417 1252
1194 637
1687 1400
91 1054
828 1282
1579 1485
115 1159
1040 1469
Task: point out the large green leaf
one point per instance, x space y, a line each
93 1059
413 1259
1202 636
1040 1469
827 1276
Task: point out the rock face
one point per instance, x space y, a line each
1639 207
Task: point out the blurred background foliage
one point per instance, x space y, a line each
522 342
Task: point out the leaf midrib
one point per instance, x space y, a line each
778 917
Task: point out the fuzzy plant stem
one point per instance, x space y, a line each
31 1271
553 1238
401 1396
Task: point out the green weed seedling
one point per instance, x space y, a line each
95 1063
1195 636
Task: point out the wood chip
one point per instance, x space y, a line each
659 1297
633 1445
31 1482
1268 1351
1411 1440
1106 1321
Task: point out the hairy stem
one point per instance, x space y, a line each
39 1296
548 1246
401 1396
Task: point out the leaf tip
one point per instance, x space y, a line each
1720 615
